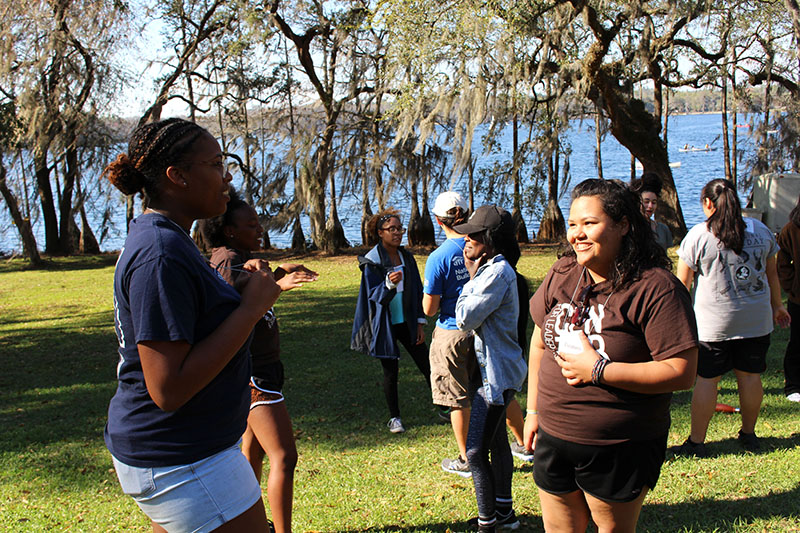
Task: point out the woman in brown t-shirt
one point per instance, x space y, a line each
615 335
234 235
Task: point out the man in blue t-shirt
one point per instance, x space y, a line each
452 356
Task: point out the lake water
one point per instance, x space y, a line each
695 170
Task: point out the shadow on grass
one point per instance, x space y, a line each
718 515
703 515
528 523
62 264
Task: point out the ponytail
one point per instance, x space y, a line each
454 217
726 223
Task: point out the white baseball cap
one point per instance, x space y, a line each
447 201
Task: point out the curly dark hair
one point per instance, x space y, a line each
378 219
212 229
638 250
152 149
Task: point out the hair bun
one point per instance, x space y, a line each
124 175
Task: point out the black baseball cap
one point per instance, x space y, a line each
485 217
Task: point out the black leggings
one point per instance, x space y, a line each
487 432
791 359
391 366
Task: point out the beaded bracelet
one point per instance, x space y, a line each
597 370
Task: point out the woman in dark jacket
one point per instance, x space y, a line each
389 308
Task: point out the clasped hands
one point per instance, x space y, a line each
577 367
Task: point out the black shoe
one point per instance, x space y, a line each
749 441
690 448
444 413
473 523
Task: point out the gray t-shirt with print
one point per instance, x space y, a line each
732 296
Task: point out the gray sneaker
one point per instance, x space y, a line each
519 451
395 425
457 466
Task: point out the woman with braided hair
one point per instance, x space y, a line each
182 397
234 235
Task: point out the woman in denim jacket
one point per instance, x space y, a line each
489 305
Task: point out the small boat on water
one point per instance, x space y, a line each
689 148
673 164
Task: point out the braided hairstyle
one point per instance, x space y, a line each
726 221
638 250
213 229
152 149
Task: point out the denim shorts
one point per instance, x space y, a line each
199 496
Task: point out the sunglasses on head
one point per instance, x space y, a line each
581 312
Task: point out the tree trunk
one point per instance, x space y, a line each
516 211
46 198
128 212
315 189
427 235
411 171
29 248
726 147
333 227
598 140
665 131
366 208
67 245
298 239
471 182
636 130
552 227
87 243
735 135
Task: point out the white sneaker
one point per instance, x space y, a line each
395 425
794 397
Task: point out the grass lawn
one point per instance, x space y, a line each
57 373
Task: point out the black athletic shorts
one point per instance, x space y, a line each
612 473
270 377
747 355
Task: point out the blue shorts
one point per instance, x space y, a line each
199 497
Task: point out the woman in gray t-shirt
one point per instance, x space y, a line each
737 298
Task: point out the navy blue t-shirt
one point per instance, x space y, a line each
164 290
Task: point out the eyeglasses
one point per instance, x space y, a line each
394 229
581 312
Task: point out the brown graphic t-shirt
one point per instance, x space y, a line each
651 319
265 347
